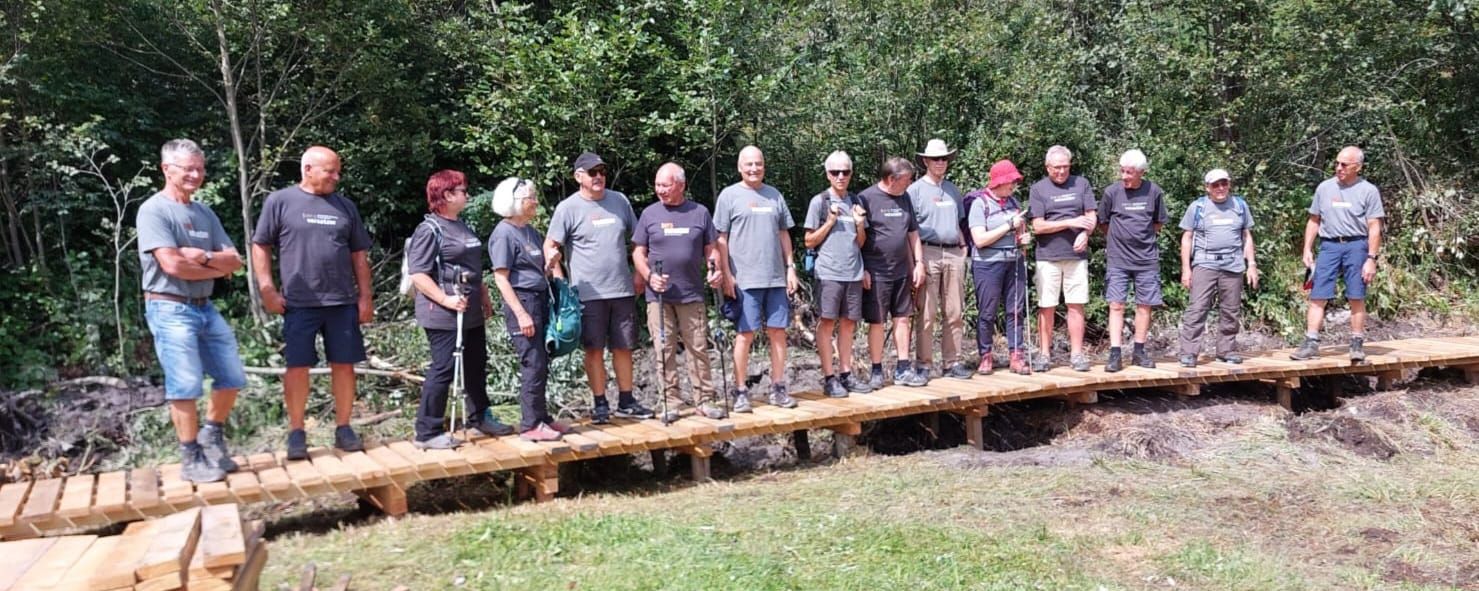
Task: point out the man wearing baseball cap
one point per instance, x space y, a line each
596 224
999 271
939 207
1216 257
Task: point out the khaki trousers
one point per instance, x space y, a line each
944 285
686 323
1227 289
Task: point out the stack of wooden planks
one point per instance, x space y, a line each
202 548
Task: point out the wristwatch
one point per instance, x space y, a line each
1374 257
208 256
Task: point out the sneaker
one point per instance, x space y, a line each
541 432
833 388
918 378
560 427
443 441
742 401
985 367
1080 362
1309 350
958 371
1232 358
213 441
1189 360
489 425
902 375
634 410
1358 350
713 411
297 445
855 386
1142 359
780 397
1040 362
1019 364
347 440
1115 363
601 411
196 468
875 380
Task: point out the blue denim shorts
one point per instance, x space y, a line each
767 305
193 342
1336 260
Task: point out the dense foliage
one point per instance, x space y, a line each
1266 88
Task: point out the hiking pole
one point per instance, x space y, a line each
1026 335
455 401
662 347
719 344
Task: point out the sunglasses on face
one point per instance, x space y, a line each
597 171
839 173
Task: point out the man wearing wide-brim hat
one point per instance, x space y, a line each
939 209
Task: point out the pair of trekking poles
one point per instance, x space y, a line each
718 336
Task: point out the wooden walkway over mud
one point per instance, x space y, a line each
382 473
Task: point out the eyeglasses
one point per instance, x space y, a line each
1221 183
458 190
597 171
1339 164
839 173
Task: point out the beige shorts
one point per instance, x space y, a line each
1071 278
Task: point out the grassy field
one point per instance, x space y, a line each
1228 493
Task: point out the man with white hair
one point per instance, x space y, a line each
1133 211
1346 216
939 207
1063 213
323 255
1216 252
835 229
182 249
755 259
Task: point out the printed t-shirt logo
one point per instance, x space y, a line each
757 206
668 229
1065 197
321 219
599 220
1135 206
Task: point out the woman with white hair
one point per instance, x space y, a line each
519 271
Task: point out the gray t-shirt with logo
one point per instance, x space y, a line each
520 249
754 219
594 236
1132 215
938 209
166 223
1344 211
676 237
1217 232
1055 203
461 250
839 258
988 213
314 236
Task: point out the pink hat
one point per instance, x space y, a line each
1003 172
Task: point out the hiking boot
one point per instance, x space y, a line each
1040 362
1189 360
958 371
1309 350
1142 359
196 468
780 397
541 432
633 410
213 442
443 441
601 411
1019 364
347 440
855 386
742 401
712 411
1232 358
987 361
1115 363
917 378
297 445
489 425
902 375
1080 362
833 388
1358 350
875 380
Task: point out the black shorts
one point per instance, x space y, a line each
609 324
343 342
839 299
889 298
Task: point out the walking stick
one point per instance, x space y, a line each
662 348
455 401
721 345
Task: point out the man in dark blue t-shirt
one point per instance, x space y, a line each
893 265
1133 211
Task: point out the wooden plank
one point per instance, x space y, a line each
12 498
177 492
609 444
20 556
369 472
585 446
143 492
276 484
40 505
79 576
111 502
339 476
508 457
306 479
452 462
76 500
221 541
214 493
51 568
427 467
261 461
171 545
527 449
118 570
245 487
250 573
165 582
396 467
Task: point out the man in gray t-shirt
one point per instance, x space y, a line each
835 229
323 251
1216 249
182 250
595 225
1345 216
939 208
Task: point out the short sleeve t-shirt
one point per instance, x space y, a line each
839 258
754 219
461 250
1344 211
1217 232
676 236
1132 215
938 210
314 236
886 252
594 236
1053 202
990 214
520 249
166 223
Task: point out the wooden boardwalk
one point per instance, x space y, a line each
382 473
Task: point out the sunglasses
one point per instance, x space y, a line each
597 171
1221 183
839 173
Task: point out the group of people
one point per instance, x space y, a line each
894 255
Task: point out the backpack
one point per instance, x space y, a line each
1239 207
406 288
965 223
562 333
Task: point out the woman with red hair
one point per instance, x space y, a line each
445 261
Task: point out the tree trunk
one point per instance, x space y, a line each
243 184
